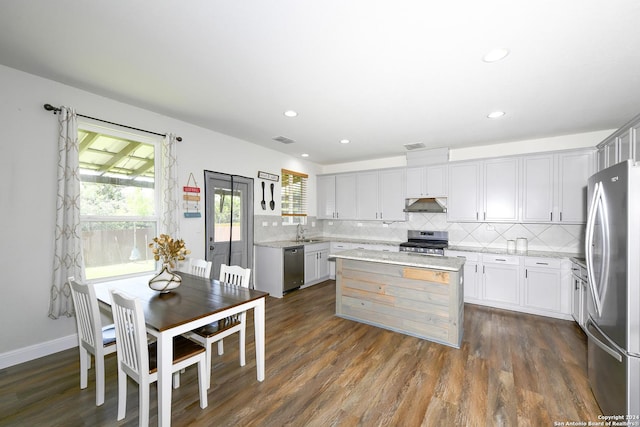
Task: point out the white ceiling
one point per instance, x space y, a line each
380 73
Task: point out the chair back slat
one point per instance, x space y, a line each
86 308
235 275
131 335
200 267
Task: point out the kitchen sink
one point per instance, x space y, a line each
308 240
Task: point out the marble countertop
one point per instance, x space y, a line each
291 243
327 239
362 241
402 258
542 254
579 260
324 239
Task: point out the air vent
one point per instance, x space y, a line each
414 146
284 140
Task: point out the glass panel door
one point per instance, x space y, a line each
229 220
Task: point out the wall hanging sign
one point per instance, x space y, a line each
191 198
269 176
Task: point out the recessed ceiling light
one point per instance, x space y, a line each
496 54
344 141
496 114
290 113
304 155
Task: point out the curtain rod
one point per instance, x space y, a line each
55 110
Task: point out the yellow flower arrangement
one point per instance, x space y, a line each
168 249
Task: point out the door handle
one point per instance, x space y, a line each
612 352
596 203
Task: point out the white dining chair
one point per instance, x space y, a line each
93 338
199 267
217 331
138 360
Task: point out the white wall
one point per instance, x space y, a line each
556 143
389 162
28 188
564 142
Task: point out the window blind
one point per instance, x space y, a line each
294 193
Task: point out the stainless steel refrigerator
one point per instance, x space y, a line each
613 264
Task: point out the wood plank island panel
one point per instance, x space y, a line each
424 299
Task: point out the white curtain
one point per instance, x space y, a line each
170 201
67 259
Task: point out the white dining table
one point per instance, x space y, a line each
195 303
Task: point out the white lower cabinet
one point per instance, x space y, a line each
535 285
543 284
501 279
316 263
579 283
471 278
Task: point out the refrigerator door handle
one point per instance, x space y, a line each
612 352
596 201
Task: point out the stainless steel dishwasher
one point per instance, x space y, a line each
293 268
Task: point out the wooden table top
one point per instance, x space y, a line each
195 298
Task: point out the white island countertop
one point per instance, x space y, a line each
402 258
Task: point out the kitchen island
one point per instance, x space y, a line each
412 294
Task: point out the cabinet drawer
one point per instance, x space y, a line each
501 259
337 246
469 256
316 247
542 262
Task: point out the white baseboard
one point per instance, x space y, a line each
26 354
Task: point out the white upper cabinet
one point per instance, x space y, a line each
635 141
537 188
542 188
622 145
336 196
391 195
483 191
574 169
501 190
416 182
367 195
345 200
554 187
437 178
464 191
427 181
612 152
601 161
380 195
326 188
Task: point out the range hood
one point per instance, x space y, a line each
426 204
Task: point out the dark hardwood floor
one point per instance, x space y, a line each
512 370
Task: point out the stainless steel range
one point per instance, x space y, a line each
426 242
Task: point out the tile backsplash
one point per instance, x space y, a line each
541 237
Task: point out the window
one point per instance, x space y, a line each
294 197
118 202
